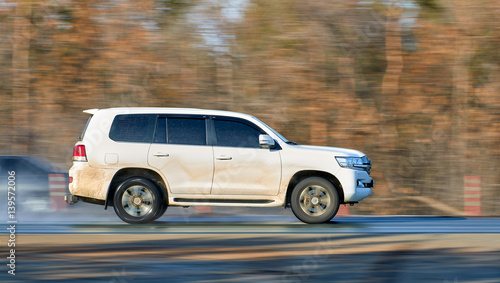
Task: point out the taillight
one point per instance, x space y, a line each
79 153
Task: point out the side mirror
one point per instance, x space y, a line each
266 141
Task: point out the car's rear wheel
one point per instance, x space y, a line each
138 200
164 206
314 200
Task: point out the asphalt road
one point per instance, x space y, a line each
225 247
258 224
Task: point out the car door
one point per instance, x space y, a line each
242 167
181 152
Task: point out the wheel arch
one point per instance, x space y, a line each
125 173
301 175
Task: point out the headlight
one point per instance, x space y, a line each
349 162
357 163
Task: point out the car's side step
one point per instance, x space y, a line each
227 201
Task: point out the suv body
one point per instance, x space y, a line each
141 160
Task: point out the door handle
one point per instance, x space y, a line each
160 154
224 158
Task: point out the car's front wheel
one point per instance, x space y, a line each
314 200
138 200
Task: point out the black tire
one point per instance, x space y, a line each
314 200
163 208
137 201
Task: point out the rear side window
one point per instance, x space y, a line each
133 128
85 129
186 131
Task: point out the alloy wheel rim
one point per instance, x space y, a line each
137 201
314 200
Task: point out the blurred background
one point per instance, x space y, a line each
413 84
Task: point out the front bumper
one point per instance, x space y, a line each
357 184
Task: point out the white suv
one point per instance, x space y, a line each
141 160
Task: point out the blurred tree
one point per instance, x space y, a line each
20 103
412 83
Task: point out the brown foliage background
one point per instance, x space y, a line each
413 84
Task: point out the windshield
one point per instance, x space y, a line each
274 131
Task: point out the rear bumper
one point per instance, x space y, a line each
90 182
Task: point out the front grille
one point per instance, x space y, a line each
367 164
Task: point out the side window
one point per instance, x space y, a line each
85 129
186 131
161 131
236 134
133 128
